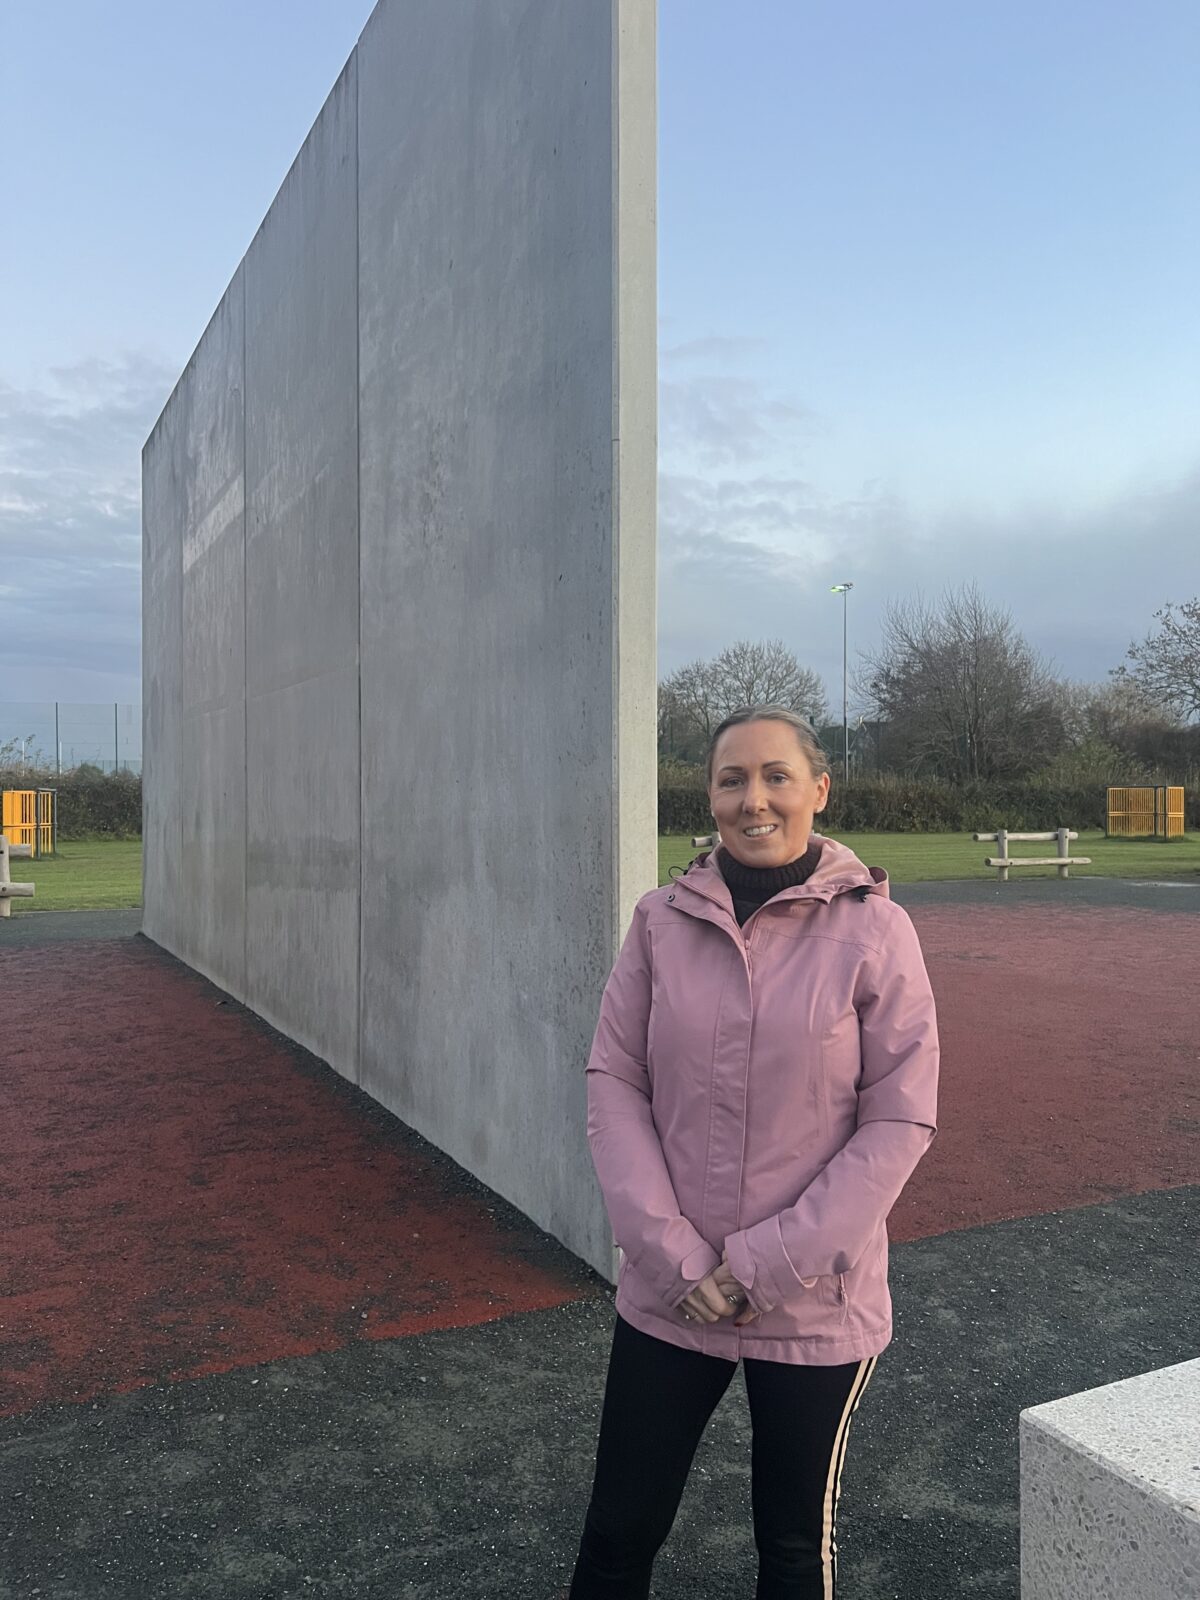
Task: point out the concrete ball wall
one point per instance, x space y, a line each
399 589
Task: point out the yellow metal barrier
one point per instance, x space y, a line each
27 818
1146 812
1175 812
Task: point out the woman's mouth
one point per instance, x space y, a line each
762 831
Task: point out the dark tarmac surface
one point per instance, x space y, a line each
456 1462
1102 893
52 927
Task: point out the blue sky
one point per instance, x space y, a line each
926 285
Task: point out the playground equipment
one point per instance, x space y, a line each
1063 861
10 891
1151 811
30 816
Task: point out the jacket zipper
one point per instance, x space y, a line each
742 1160
841 1277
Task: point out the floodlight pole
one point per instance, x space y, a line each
844 590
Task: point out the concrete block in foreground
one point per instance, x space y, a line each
1110 1491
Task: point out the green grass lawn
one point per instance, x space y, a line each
103 875
919 857
107 874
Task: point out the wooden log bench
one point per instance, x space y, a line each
1002 862
10 891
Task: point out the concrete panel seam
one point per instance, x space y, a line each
358 977
245 661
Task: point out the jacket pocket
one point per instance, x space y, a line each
835 1294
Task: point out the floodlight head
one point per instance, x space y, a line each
841 588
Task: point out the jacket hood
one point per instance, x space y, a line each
839 871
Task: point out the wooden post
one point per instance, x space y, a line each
1002 852
10 891
1064 871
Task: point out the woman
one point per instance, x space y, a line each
762 1082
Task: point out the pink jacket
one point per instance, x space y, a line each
766 1089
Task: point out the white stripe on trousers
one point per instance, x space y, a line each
833 1483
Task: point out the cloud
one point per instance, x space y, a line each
754 558
749 549
749 538
719 348
710 417
70 527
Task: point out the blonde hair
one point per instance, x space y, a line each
805 733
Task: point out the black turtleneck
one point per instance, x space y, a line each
752 887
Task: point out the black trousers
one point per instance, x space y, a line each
657 1402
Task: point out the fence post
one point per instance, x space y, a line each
8 889
1002 852
1064 871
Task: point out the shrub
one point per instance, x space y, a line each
91 804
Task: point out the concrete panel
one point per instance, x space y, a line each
635 463
164 514
302 864
488 320
213 803
302 594
1110 1497
302 412
213 655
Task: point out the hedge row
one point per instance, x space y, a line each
888 804
91 804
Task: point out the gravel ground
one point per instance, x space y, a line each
1099 893
51 927
457 1464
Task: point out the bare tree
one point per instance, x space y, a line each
696 699
686 702
963 694
768 674
1167 663
1125 718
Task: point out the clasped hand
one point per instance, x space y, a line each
708 1301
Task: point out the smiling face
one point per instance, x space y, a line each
762 778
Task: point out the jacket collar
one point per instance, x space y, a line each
839 871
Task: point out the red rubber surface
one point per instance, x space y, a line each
1070 1062
180 1197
